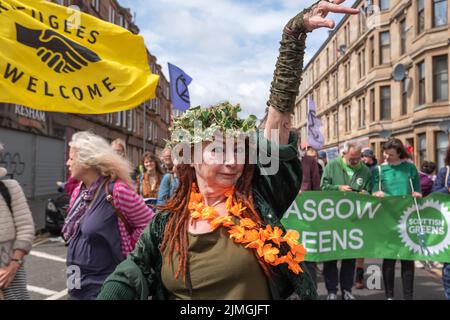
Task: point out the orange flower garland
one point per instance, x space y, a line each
266 241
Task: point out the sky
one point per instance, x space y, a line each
228 47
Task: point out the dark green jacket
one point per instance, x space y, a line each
335 176
139 276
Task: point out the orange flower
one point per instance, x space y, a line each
225 221
257 244
276 235
292 264
229 192
229 203
268 253
237 233
195 214
291 237
299 253
247 223
196 197
266 233
237 209
250 236
279 260
209 213
248 233
196 206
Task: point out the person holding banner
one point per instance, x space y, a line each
347 173
442 185
220 235
395 177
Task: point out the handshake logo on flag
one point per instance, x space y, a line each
58 52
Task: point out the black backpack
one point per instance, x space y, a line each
5 194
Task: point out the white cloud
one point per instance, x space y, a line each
228 47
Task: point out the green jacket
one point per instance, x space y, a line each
335 176
139 276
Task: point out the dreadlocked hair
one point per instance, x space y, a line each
175 238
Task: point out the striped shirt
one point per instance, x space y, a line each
133 208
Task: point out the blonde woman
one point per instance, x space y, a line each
106 216
16 237
120 147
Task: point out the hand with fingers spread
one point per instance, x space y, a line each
315 16
287 75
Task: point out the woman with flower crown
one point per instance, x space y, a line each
220 236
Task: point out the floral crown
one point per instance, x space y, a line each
201 124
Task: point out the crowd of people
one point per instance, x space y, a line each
358 170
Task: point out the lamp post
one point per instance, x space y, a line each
144 139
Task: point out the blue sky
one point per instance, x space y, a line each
228 47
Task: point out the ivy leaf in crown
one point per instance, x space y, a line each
201 124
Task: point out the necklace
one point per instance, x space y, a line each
265 241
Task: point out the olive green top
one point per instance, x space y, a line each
220 269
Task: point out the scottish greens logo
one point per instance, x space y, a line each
428 235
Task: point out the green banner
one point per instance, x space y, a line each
338 225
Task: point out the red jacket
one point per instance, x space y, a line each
311 175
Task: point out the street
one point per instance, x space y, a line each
47 276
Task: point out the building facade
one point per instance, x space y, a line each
36 142
351 78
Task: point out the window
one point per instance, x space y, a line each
328 89
328 127
335 85
420 16
317 68
362 63
404 88
112 15
328 57
96 5
385 47
348 118
422 148
385 103
384 5
440 78
347 74
335 125
421 82
439 13
362 27
441 148
335 50
372 105
362 112
109 118
372 52
118 118
318 97
121 20
124 119
347 35
130 120
403 36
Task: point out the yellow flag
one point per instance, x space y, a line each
55 58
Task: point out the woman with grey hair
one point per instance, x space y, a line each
106 216
16 237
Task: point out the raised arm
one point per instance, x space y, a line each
288 70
